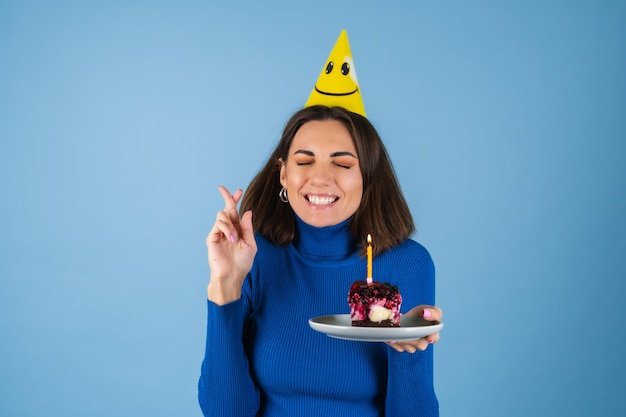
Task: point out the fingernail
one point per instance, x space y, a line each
233 238
427 313
392 342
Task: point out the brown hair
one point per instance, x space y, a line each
383 211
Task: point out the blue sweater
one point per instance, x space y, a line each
263 359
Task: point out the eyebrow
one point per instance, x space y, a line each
332 155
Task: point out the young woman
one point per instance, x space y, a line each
293 255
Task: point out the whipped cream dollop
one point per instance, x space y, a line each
379 313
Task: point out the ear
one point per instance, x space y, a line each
283 172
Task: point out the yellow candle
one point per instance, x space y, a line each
369 259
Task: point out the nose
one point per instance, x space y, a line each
320 175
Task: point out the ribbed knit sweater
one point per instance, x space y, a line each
263 359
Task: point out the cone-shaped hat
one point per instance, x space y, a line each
337 84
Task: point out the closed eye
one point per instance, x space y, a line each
344 162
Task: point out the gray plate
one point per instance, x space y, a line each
339 326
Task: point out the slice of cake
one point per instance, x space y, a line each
375 304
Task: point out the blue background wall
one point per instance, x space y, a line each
118 119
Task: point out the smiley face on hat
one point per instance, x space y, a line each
337 84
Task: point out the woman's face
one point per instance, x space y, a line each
322 174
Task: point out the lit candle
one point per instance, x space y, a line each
369 259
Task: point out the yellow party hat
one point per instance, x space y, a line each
337 84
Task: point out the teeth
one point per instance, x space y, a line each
321 200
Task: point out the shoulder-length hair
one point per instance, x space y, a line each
383 211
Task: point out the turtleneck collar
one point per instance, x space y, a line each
324 243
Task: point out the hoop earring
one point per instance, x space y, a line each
283 195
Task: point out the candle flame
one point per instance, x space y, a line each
369 238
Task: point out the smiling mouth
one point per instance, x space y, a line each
336 94
321 200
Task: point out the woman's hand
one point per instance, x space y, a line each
430 313
231 250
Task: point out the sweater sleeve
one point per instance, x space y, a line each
226 387
410 390
410 387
